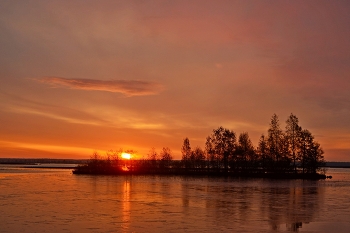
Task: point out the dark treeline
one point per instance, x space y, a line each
293 150
289 153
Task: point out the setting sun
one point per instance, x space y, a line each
126 155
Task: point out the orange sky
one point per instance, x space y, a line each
84 76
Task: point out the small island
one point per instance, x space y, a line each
289 154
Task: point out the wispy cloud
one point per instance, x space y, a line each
126 87
18 104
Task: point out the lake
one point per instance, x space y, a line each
55 200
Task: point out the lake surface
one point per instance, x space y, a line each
55 200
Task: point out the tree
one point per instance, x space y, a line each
245 150
166 157
263 152
293 131
152 156
310 153
285 161
198 158
315 158
212 157
274 139
186 152
306 140
95 160
113 156
221 143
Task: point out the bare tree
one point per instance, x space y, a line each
166 157
152 156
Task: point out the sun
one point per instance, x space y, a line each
126 155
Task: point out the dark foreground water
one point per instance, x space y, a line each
54 200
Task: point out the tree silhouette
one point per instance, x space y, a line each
275 136
262 152
311 153
152 154
166 157
198 158
245 151
293 131
186 152
221 143
152 157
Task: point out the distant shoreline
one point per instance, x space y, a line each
34 162
337 164
50 166
30 161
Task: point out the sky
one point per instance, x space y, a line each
83 76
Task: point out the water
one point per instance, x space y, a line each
55 200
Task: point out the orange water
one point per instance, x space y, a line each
54 200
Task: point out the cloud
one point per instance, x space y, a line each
20 105
126 87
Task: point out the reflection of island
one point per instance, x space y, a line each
294 205
274 205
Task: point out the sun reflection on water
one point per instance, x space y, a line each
126 206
